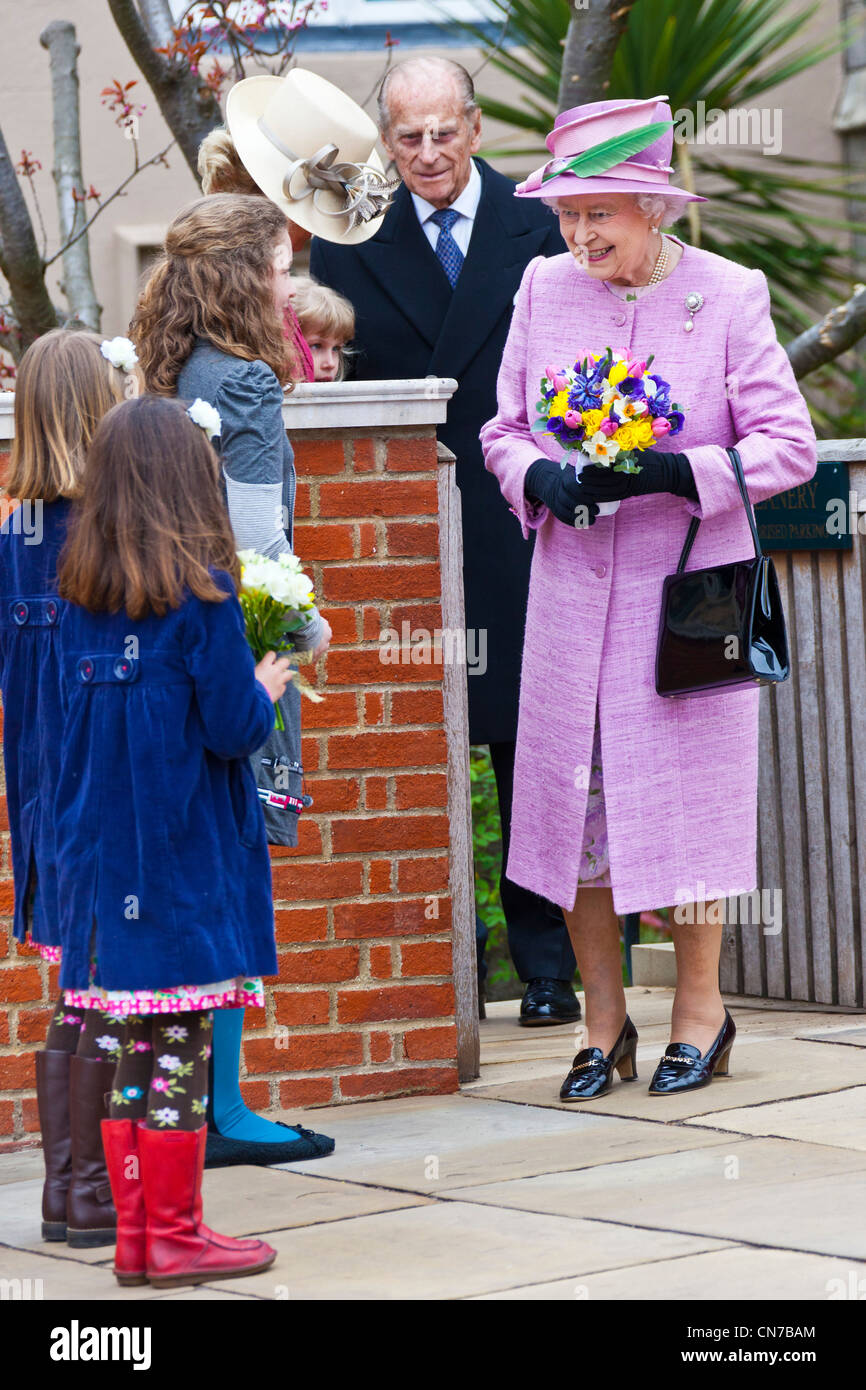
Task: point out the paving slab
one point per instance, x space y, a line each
21 1225
451 1250
759 1191
68 1278
738 1274
762 1070
852 1037
247 1201
837 1119
238 1201
456 1141
21 1165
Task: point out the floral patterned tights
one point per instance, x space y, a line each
86 1032
163 1070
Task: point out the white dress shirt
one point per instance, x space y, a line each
466 205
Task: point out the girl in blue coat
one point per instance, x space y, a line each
163 864
66 383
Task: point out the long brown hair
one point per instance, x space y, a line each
64 386
213 281
152 520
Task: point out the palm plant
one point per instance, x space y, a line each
777 213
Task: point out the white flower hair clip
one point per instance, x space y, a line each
206 416
120 353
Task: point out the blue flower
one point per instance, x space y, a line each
132 1093
677 420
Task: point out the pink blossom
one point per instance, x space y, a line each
159 1083
572 419
550 373
560 383
608 426
636 368
660 427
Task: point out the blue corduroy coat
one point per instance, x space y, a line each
30 542
163 867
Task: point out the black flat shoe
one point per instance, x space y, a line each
591 1072
548 1002
684 1069
222 1152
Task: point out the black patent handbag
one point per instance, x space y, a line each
722 626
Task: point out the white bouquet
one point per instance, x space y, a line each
276 598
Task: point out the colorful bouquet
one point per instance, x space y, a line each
276 598
608 407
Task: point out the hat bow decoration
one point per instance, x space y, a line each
365 192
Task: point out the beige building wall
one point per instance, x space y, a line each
135 222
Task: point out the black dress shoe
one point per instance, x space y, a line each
592 1073
222 1152
684 1069
549 1001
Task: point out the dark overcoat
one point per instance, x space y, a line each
163 866
410 323
30 545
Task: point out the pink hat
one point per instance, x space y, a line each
611 162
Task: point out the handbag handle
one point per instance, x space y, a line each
737 463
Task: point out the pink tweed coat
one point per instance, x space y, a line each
680 776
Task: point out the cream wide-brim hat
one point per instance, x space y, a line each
303 112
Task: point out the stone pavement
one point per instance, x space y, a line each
753 1188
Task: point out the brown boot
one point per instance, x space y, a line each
90 1215
52 1099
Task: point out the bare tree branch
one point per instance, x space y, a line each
837 331
190 109
77 285
593 34
21 262
118 192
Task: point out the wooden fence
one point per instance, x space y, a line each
812 781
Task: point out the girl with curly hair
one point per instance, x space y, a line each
221 171
209 324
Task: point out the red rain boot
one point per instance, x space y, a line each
180 1248
120 1141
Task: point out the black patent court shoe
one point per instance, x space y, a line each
591 1072
684 1069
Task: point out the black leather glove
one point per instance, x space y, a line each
659 472
559 490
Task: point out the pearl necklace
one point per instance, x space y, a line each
661 264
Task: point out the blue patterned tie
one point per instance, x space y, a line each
447 250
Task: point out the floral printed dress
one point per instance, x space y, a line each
594 862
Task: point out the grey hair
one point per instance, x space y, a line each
659 210
427 66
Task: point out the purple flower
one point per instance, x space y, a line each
676 420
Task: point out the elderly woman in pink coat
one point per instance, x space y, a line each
623 799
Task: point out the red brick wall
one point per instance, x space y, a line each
363 1005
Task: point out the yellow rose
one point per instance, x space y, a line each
559 405
592 419
626 436
642 432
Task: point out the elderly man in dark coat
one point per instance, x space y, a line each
433 293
